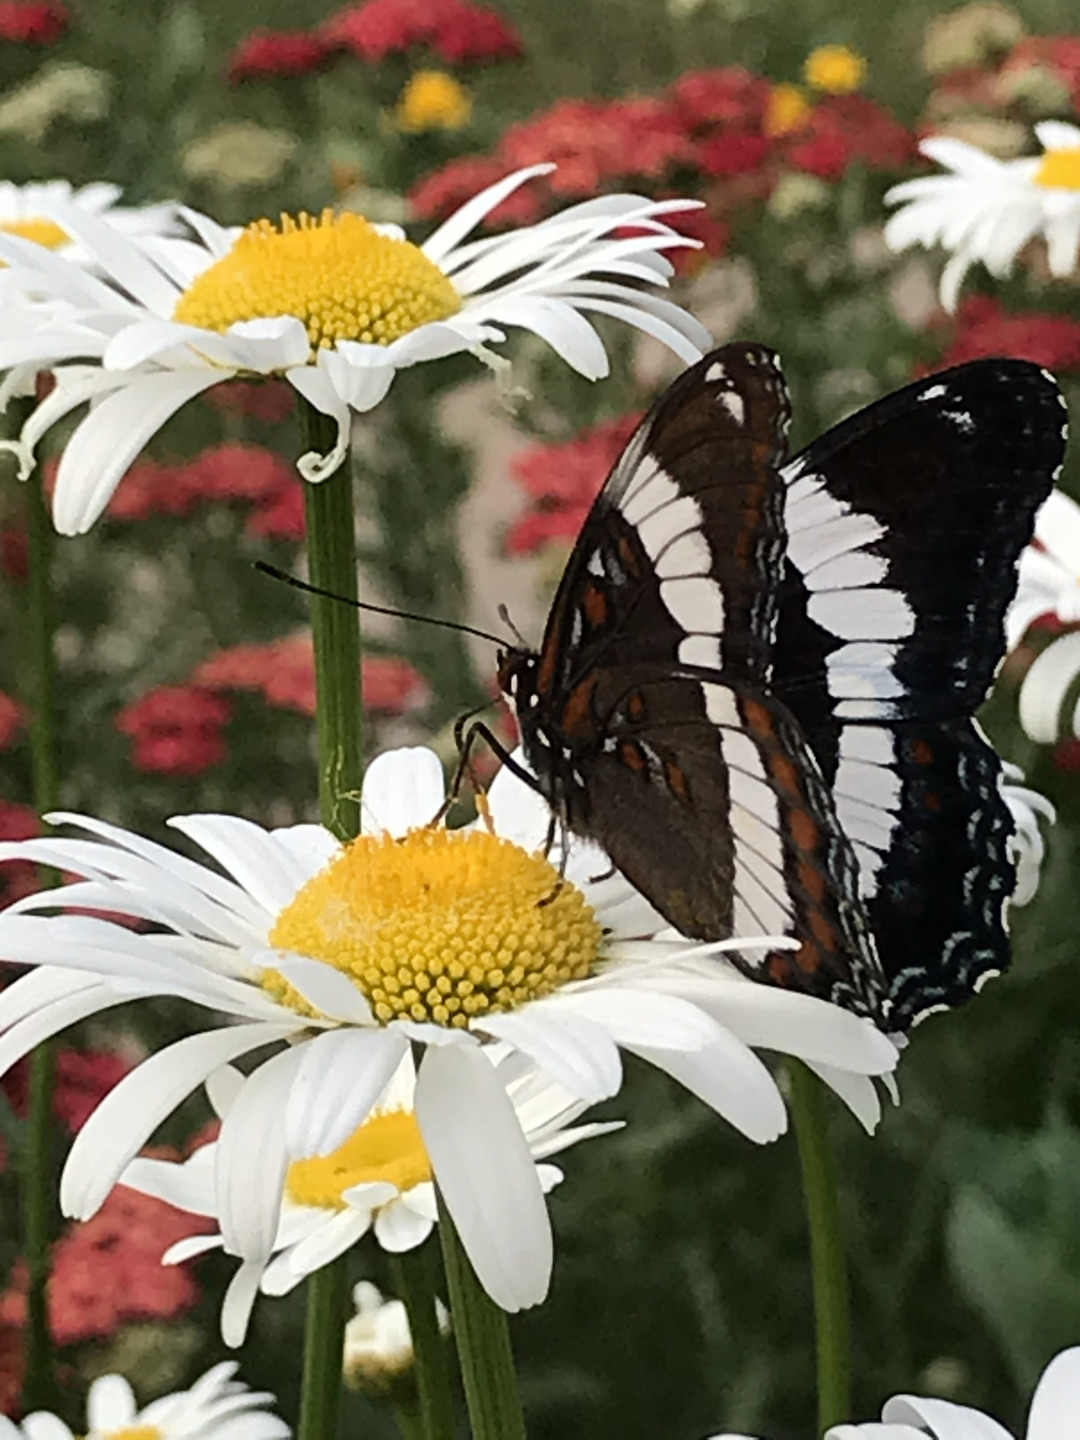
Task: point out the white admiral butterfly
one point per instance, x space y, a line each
757 679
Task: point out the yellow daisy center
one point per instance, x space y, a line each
41 232
386 1147
440 926
836 69
433 100
1060 169
337 274
134 1432
785 110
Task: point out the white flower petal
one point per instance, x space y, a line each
333 1237
239 1299
403 789
453 230
731 1080
342 1075
251 1159
575 1051
108 440
399 1228
858 1093
942 1419
486 1174
1043 691
132 1111
326 989
1055 1406
110 1404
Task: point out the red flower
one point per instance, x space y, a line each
282 517
34 23
18 877
563 480
730 96
233 471
107 1272
983 328
444 191
83 1079
597 143
456 31
176 729
1056 52
259 399
844 128
734 152
283 671
11 719
13 554
277 52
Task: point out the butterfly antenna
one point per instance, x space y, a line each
287 579
504 616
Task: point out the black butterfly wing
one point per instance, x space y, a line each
905 524
708 799
680 558
639 715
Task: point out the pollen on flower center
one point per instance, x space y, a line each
337 274
1060 169
440 926
42 232
386 1147
134 1432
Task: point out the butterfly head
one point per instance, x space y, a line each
517 671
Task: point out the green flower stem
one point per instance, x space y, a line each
828 1265
339 714
483 1344
38 1169
416 1275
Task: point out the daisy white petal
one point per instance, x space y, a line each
1056 1402
1047 682
172 317
471 1131
251 1159
342 1075
986 210
403 789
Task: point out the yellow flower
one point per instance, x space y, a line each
433 100
836 69
786 110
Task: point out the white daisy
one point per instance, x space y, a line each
26 211
378 1179
215 1408
335 305
378 1340
412 933
1055 1408
1049 584
987 209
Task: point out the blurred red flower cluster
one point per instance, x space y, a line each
234 472
277 52
105 1272
177 729
458 32
11 719
283 671
562 481
709 129
455 31
38 22
983 328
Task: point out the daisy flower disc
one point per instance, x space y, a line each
411 934
334 304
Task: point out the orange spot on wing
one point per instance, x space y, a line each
577 719
822 931
812 880
635 706
676 779
783 771
629 558
808 957
595 605
759 720
633 757
804 829
921 751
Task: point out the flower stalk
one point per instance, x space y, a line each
483 1343
416 1274
827 1261
339 719
38 1177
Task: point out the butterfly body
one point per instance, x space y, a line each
756 682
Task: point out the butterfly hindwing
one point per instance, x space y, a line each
905 525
